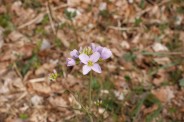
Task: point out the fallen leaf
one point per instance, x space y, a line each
41 88
160 77
164 94
58 101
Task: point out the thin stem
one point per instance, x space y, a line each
90 99
90 91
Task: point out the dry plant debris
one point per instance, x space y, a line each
143 80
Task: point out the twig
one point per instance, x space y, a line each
50 18
17 70
37 80
164 53
70 108
122 28
40 16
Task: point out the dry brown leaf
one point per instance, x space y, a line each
58 101
164 94
17 36
42 88
63 38
162 61
161 77
150 109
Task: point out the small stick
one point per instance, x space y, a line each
50 18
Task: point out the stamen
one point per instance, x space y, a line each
88 51
90 63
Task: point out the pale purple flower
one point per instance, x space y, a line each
70 62
74 54
90 63
105 53
96 48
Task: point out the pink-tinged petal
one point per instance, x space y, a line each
84 58
74 54
96 67
95 57
99 49
80 50
106 53
86 69
93 46
70 62
96 48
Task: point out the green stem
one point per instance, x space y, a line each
90 99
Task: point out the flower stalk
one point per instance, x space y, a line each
90 96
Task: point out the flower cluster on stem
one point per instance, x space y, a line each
90 57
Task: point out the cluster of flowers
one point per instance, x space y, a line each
89 56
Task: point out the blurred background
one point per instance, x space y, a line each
142 82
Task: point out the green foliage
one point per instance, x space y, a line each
148 100
33 62
142 4
163 26
137 108
95 84
108 85
23 116
111 105
137 21
70 15
40 31
129 56
127 78
105 13
180 10
172 110
32 3
139 89
45 19
38 46
175 44
181 82
175 75
57 43
5 22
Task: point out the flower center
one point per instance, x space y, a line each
90 63
87 50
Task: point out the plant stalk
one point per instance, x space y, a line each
90 96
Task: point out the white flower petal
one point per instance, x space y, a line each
96 67
84 58
95 57
86 69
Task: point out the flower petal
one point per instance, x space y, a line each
99 49
74 54
94 57
93 47
70 62
86 69
96 48
106 53
84 58
96 67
